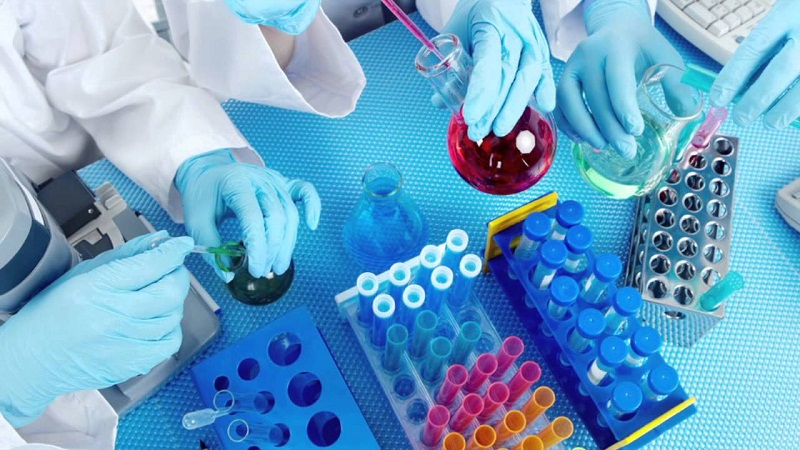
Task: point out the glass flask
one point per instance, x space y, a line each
386 226
495 165
249 289
667 107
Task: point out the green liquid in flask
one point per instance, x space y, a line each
250 290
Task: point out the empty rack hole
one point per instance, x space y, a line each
284 349
687 247
690 224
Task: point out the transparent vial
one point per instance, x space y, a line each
605 271
644 343
625 304
552 255
535 229
611 354
578 241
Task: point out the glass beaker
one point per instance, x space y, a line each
495 165
385 226
251 290
667 106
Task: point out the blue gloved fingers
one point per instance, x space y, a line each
133 247
779 74
242 198
751 54
138 271
574 110
597 96
546 90
275 217
507 108
163 298
485 83
621 79
291 223
785 111
527 78
202 226
305 193
563 124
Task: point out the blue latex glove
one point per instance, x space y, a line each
262 199
512 63
604 69
775 41
105 321
289 16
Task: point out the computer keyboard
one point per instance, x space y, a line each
714 26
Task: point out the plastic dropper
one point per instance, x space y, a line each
230 249
412 27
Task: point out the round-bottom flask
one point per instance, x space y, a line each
251 290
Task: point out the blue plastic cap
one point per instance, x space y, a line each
607 267
662 380
627 301
591 323
646 341
536 226
626 397
564 291
613 351
578 239
569 213
553 254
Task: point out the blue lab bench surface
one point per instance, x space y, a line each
743 373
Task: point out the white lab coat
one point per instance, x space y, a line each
81 80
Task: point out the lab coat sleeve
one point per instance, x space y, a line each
103 65
232 59
79 420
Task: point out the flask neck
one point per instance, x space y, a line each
382 183
448 76
669 104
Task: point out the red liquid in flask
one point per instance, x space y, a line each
504 165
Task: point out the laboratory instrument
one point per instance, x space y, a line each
625 304
512 424
435 360
589 326
251 290
644 343
559 429
470 407
429 258
413 301
496 395
468 270
578 240
510 350
535 230
667 107
569 214
383 309
438 288
396 343
465 343
721 291
626 397
386 226
551 257
495 165
563 293
422 334
605 270
660 382
232 249
255 431
610 355
787 202
454 381
436 425
529 372
226 402
367 284
483 438
485 365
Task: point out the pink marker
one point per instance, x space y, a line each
496 395
438 417
485 365
454 380
467 412
511 349
529 372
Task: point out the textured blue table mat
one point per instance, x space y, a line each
744 373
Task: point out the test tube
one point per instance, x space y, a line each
468 270
421 336
569 214
367 284
660 382
563 293
495 396
541 400
454 248
535 229
483 438
429 258
552 255
625 399
510 350
529 372
484 366
467 412
578 241
467 338
396 343
227 402
435 426
718 293
588 327
438 353
441 281
606 269
255 431
413 300
454 380
454 441
383 313
559 429
611 354
399 277
530 443
645 342
625 303
512 424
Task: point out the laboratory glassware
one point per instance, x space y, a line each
251 290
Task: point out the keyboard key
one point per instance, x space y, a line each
732 5
702 16
709 3
719 28
744 13
720 11
682 3
732 20
756 7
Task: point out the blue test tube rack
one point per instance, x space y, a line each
589 400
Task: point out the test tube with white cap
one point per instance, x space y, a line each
644 343
454 248
611 354
429 258
439 287
578 241
569 214
535 229
660 382
626 398
468 270
552 255
563 293
625 304
588 327
413 300
383 308
605 271
367 285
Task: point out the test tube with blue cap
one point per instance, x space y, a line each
454 248
578 241
660 382
535 230
625 304
367 286
588 327
605 271
569 214
383 308
563 293
611 354
644 343
552 255
429 258
413 300
626 398
436 293
468 270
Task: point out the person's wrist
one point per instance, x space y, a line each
598 14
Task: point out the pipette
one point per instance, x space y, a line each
231 249
412 27
721 291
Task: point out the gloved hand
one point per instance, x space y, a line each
604 69
104 322
512 63
775 41
289 16
262 199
